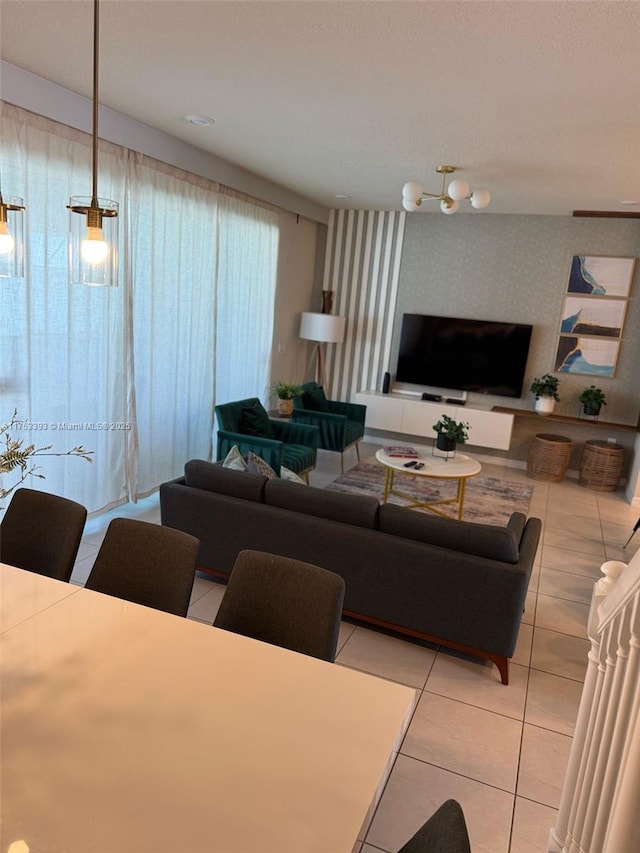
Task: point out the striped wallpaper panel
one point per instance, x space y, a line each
362 266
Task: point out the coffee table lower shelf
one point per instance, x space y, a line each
432 506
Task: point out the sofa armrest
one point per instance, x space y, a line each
294 433
267 448
529 542
331 428
352 411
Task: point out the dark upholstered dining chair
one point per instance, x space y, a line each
444 832
146 564
284 602
340 425
41 532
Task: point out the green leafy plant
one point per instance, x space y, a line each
545 386
15 457
455 430
593 397
286 390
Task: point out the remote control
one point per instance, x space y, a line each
411 463
419 465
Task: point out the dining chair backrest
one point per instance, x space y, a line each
284 602
444 832
41 532
146 564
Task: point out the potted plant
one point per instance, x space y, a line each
285 392
592 400
545 389
450 432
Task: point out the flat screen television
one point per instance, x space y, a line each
483 356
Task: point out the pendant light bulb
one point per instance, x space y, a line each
94 249
93 223
7 243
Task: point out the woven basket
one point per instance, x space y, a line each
601 466
549 457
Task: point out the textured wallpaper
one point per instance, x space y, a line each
515 268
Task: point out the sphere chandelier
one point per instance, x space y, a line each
449 197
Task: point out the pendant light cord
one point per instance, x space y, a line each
96 27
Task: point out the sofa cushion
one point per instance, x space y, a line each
298 457
359 510
315 399
254 420
234 459
481 540
257 465
291 476
214 478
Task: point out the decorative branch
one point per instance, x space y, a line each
15 457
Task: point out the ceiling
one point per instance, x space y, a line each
539 102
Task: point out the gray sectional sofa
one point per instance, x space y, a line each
455 583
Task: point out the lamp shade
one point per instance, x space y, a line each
449 207
11 237
480 199
324 328
457 190
412 191
93 241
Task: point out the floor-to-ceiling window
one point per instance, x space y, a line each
130 373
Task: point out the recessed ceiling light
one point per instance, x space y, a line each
342 195
630 201
199 121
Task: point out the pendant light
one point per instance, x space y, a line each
11 237
93 223
413 196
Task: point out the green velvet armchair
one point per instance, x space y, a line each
341 425
246 424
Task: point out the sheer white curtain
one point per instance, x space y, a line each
131 373
60 346
173 271
247 269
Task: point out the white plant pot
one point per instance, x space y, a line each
545 405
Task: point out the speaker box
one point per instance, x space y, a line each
386 383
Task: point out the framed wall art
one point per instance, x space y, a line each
601 276
593 315
589 316
591 356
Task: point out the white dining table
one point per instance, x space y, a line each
127 730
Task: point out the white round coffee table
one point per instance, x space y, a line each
459 467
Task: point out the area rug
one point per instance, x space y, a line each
489 500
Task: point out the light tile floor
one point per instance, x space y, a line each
501 751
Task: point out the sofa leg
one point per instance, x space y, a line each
503 667
358 450
500 661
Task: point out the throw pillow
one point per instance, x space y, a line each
291 476
257 465
315 400
255 421
235 460
212 477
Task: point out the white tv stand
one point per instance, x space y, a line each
397 412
